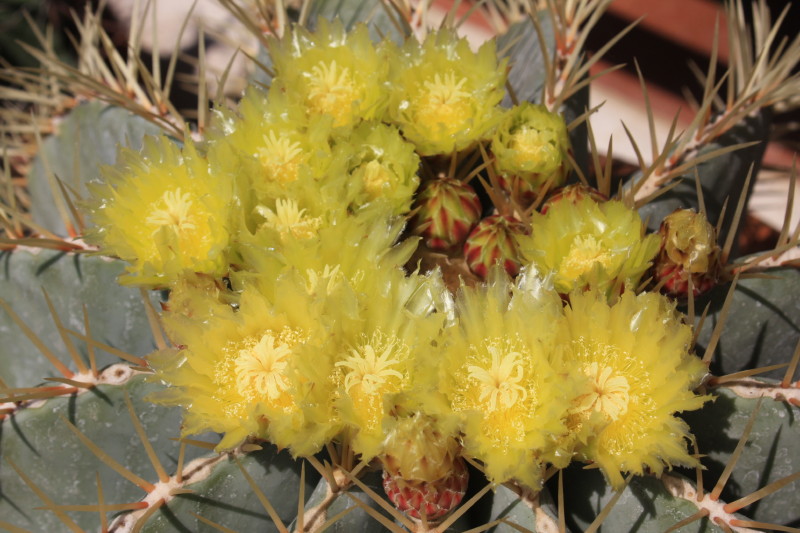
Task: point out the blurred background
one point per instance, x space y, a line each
672 36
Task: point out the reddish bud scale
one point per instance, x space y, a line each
433 499
493 241
448 210
677 281
573 193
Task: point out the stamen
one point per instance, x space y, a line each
176 212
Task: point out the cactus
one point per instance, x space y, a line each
229 323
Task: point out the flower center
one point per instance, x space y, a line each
261 367
331 91
175 213
374 176
585 252
531 148
326 280
445 102
289 220
500 383
280 158
609 395
373 365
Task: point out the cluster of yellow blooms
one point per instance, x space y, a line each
297 318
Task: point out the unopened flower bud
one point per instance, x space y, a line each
423 471
493 241
530 148
573 193
688 250
448 210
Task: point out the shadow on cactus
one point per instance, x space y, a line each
390 301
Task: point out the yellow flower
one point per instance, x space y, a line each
444 95
638 375
589 244
262 370
165 212
393 327
370 382
382 166
497 374
334 73
532 143
270 145
322 242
